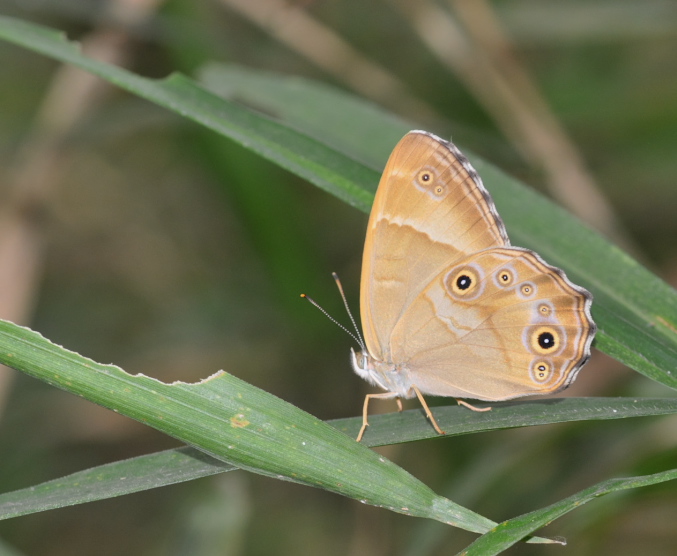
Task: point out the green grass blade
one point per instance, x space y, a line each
114 479
296 152
350 124
239 424
514 530
393 428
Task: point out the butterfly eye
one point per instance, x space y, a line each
540 371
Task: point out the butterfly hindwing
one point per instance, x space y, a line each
496 325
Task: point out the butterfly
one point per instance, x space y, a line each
448 307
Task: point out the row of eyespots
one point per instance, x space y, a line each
465 283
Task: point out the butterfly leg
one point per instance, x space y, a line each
428 413
365 409
472 407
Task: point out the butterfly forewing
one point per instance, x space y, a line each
430 210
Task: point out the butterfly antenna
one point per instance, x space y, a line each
332 319
350 314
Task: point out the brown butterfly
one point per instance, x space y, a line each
448 307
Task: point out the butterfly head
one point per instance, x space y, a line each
363 363
386 375
368 368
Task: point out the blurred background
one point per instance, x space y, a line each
134 237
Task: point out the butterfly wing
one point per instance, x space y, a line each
495 325
430 210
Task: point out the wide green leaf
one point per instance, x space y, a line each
239 424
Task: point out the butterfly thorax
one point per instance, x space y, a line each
384 374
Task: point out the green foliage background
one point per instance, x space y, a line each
174 252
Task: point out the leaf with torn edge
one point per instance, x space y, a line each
239 424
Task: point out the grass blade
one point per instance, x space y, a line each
114 479
514 530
